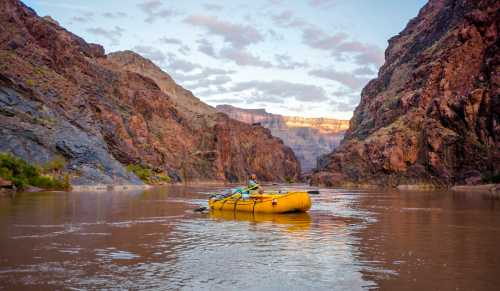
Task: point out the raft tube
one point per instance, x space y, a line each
264 203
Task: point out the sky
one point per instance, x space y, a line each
308 58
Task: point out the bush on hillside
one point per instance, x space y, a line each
22 174
147 175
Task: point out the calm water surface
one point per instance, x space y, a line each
350 240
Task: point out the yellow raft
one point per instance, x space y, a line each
264 203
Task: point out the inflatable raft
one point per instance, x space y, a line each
263 203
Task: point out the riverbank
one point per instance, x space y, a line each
484 188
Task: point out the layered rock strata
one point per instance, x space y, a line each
433 113
60 95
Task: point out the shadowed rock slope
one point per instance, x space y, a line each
309 138
432 115
62 96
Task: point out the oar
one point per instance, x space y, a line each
231 196
313 192
200 209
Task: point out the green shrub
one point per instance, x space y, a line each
163 178
147 175
30 83
46 182
22 174
289 180
57 164
142 172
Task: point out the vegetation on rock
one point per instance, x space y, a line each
23 175
148 175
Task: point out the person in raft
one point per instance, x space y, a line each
253 185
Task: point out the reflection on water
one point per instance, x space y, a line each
350 240
291 222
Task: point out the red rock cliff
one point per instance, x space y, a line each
433 113
61 95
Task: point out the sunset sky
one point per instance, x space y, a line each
308 58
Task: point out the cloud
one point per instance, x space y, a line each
113 35
286 62
323 3
149 52
168 40
287 19
275 35
367 53
340 46
83 17
349 104
176 64
80 19
70 6
345 78
238 36
225 100
213 7
182 48
205 73
206 47
344 100
278 91
213 91
209 82
112 15
240 56
364 71
316 38
243 58
275 2
153 10
170 61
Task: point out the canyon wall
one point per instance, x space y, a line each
61 96
433 113
308 137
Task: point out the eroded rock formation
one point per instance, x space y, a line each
433 113
60 95
308 137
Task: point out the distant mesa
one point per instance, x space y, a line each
308 137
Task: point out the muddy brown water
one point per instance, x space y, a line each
350 240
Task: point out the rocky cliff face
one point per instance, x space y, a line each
433 113
62 96
183 99
308 137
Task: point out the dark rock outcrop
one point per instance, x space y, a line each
309 138
62 96
433 113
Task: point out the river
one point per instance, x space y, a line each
349 240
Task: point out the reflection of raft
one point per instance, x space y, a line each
291 222
264 203
298 218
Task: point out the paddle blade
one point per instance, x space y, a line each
313 192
